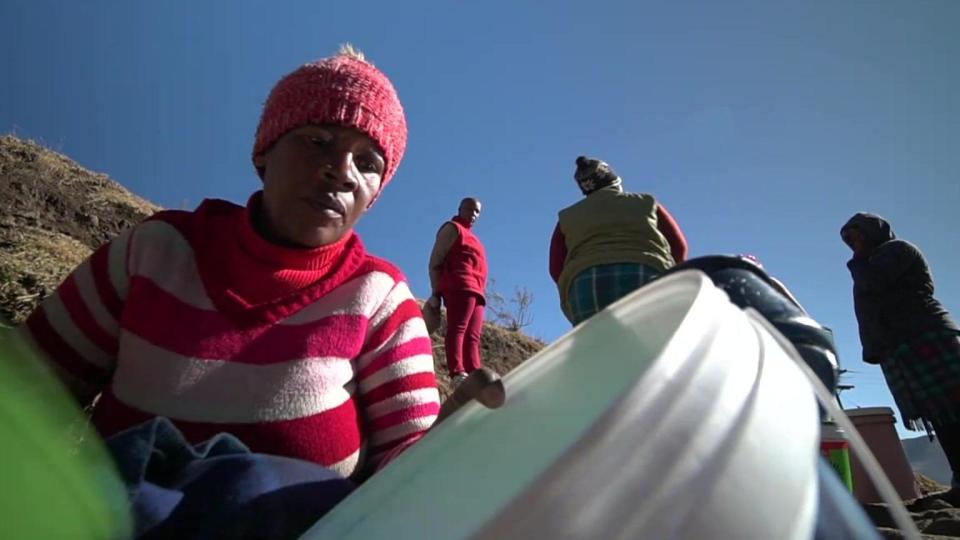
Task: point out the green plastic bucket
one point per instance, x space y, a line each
58 481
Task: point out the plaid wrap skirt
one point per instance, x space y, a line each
599 286
923 375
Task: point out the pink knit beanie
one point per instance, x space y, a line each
342 90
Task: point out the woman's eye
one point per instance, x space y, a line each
320 140
369 165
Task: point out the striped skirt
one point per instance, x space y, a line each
599 286
924 377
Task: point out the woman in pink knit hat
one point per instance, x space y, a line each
269 321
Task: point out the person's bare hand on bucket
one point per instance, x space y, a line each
483 385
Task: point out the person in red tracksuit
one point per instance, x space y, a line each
458 277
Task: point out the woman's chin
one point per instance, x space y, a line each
320 229
323 236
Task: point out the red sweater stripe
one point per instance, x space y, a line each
406 311
403 415
396 354
86 286
394 387
100 266
83 318
234 391
54 346
215 337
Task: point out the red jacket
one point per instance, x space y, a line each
465 267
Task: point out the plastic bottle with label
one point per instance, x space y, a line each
835 447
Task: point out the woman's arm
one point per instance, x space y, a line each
671 231
397 385
558 253
75 330
446 236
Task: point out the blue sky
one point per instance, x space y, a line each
762 126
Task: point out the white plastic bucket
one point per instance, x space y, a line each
672 414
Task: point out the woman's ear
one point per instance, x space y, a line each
260 163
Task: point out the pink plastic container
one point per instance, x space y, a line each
876 426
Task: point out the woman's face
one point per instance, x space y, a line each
317 182
855 238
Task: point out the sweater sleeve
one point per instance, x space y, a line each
397 385
671 231
75 330
558 253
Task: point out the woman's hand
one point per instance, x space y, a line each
483 385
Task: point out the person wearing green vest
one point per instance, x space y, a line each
610 243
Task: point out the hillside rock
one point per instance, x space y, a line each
936 516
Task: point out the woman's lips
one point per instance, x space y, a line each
327 202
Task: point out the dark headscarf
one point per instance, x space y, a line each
875 229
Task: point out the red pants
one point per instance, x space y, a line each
464 326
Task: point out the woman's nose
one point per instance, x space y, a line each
340 170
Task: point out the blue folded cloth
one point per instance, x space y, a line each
218 488
839 516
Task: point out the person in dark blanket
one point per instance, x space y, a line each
907 331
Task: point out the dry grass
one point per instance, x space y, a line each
32 267
48 169
927 485
54 214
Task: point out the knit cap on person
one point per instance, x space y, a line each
344 89
593 174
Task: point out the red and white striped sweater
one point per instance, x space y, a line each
315 354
